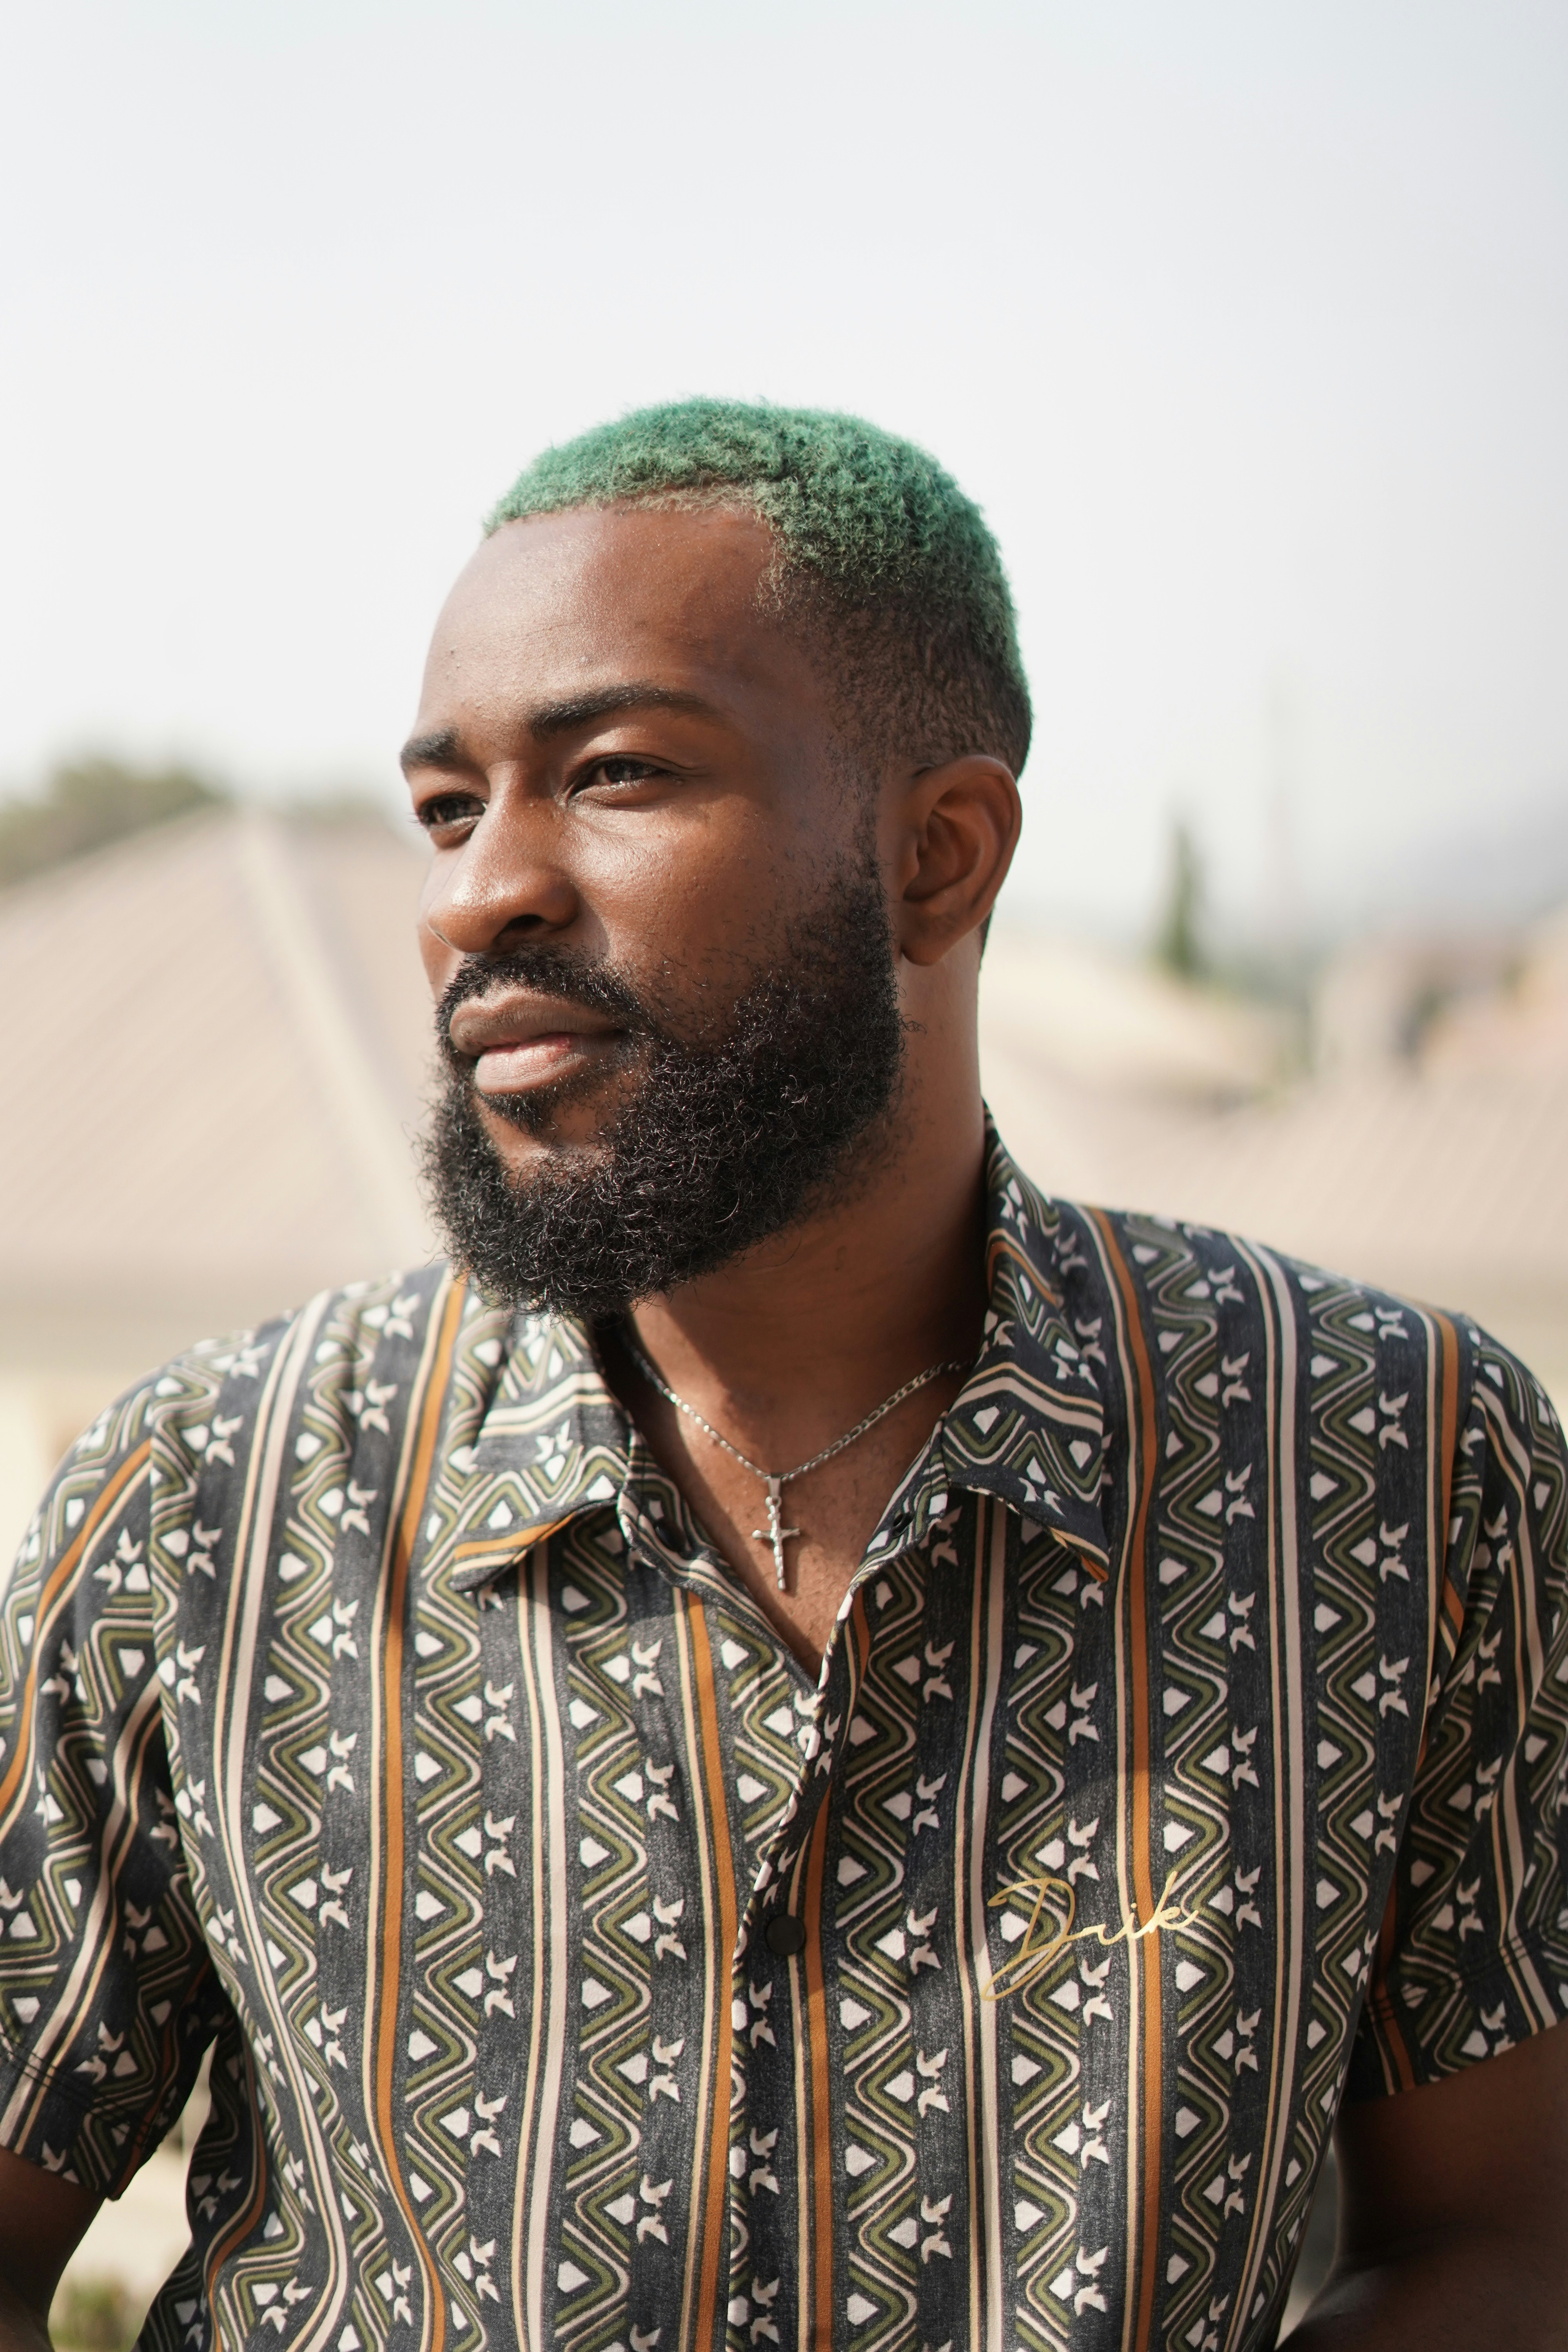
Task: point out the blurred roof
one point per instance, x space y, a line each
1428 1156
1445 1184
1111 1021
213 1071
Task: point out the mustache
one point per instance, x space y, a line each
565 973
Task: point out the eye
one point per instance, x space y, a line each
448 811
627 770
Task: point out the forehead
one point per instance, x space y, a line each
555 606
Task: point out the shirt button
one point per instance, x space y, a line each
784 1934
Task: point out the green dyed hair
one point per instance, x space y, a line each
890 569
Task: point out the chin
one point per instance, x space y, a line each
568 1120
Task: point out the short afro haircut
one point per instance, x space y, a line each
887 568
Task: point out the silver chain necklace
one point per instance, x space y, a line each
775 1534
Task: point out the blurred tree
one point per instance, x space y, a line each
94 2315
87 803
1178 943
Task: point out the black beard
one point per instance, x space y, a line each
722 1143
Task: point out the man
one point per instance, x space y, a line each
803 1747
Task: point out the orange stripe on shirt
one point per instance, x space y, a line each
404 1542
59 1577
250 2213
999 1247
819 2161
1146 1959
716 2194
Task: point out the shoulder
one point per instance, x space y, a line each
1356 1369
217 1396
195 1419
1175 1269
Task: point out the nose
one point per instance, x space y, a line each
504 884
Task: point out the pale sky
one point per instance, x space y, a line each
1247 325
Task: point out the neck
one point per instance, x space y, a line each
786 1349
796 1341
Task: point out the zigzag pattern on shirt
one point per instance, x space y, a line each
1059 2023
1203 1572
619 1654
870 2005
770 1709
1461 1863
1341 1368
297 1834
81 1646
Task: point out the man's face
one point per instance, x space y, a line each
654 922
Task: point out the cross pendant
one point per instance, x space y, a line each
775 1532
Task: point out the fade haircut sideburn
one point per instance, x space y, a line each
883 562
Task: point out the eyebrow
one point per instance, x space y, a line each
443 749
440 750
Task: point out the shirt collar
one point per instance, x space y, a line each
1028 1425
547 1439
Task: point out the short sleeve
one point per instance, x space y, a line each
107 1992
1473 1954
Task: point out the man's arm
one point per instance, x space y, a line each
43 2219
1454 2214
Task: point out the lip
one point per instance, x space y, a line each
517 1041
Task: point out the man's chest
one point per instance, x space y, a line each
1039 1933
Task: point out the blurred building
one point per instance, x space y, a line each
211 1072
1096 1062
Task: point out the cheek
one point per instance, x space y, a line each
713 929
682 898
708 890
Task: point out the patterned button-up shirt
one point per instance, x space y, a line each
1189 1751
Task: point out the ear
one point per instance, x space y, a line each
955 828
